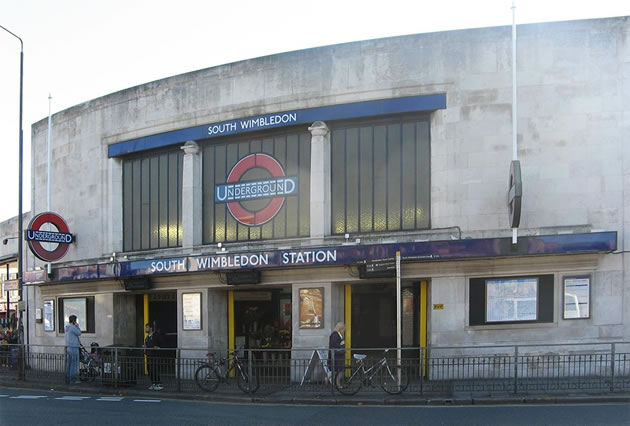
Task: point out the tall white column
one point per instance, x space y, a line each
115 217
320 179
191 196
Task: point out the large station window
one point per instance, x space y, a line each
381 176
152 200
257 188
511 300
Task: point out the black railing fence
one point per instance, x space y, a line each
474 370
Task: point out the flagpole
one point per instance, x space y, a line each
49 162
514 104
49 153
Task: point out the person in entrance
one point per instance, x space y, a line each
151 343
336 346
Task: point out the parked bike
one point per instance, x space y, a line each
393 378
89 365
215 371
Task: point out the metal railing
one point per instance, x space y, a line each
432 371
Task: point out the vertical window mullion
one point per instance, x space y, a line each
249 228
160 218
214 205
285 204
386 178
149 189
415 176
272 221
373 180
180 197
299 194
168 202
358 188
402 193
225 217
141 206
345 181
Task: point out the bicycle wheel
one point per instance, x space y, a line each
87 371
92 371
246 383
349 381
207 377
394 379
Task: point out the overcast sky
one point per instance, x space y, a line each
77 50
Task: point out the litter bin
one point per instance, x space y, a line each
120 365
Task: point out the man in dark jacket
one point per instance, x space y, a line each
151 343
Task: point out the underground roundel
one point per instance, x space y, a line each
46 244
255 189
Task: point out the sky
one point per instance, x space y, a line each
77 50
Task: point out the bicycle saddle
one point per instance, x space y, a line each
359 357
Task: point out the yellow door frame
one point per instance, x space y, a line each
146 321
424 285
348 321
231 334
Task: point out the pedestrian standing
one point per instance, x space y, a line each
336 353
152 342
72 333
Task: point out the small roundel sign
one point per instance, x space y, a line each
268 192
48 246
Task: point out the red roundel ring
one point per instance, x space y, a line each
37 248
260 217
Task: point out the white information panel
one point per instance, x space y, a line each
49 315
191 308
512 300
577 295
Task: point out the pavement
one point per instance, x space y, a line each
304 397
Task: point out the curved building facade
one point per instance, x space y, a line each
278 193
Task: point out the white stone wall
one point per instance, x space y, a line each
574 122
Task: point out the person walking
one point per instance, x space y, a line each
151 343
72 332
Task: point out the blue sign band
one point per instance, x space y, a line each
281 119
342 255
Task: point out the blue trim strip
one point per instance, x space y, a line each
598 242
281 119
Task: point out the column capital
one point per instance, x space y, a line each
191 148
319 128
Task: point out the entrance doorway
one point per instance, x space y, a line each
262 319
159 309
373 315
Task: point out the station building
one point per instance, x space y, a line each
278 192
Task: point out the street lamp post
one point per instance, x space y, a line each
20 235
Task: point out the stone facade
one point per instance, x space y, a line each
573 127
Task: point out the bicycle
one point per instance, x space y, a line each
394 378
89 365
210 374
